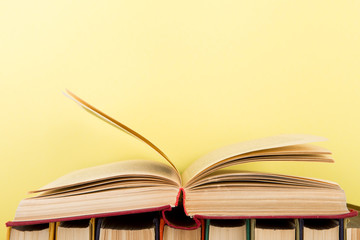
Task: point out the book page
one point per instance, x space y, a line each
128 168
234 178
118 125
236 151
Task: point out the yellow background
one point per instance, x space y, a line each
189 75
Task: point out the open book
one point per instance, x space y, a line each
205 188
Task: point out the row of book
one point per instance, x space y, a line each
150 226
207 200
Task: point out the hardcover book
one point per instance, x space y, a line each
206 189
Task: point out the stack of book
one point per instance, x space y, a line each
140 199
151 226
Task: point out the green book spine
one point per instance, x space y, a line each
207 223
248 229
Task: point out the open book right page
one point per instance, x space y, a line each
276 148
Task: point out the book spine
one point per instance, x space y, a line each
203 229
341 229
197 222
301 229
248 229
207 226
52 231
8 231
157 227
180 211
252 229
57 224
92 228
161 229
98 222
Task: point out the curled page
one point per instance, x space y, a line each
117 124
